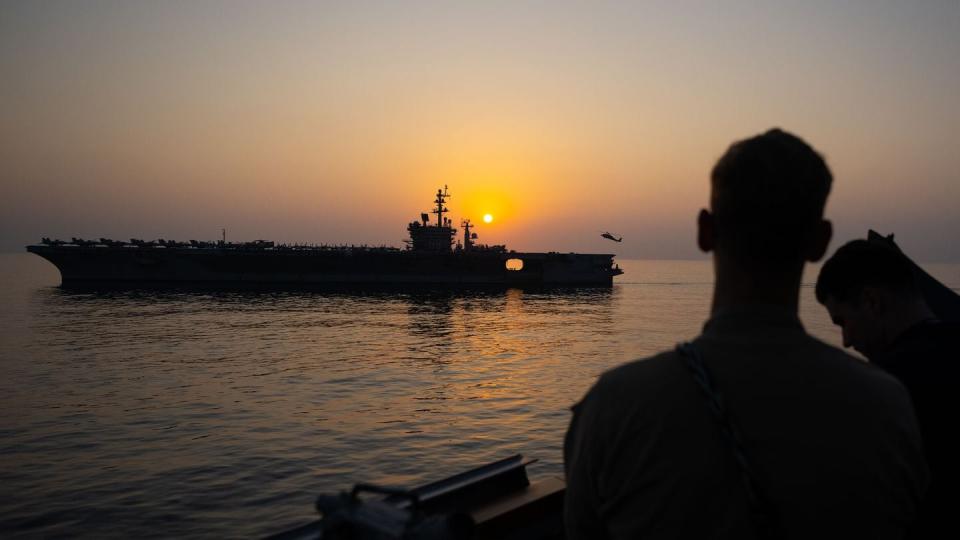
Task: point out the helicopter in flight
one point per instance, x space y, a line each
609 236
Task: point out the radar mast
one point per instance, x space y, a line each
467 237
440 210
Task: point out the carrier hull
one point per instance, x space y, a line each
129 265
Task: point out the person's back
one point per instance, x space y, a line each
926 359
821 458
870 291
789 438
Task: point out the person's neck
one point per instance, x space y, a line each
739 285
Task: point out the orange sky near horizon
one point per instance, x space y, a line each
337 123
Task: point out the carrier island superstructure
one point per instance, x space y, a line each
433 256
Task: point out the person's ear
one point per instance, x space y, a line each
706 231
819 241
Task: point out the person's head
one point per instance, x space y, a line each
868 289
767 198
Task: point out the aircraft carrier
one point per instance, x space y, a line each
434 255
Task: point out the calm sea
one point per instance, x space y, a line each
224 414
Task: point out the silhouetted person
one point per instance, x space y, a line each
755 428
871 294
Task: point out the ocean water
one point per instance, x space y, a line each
160 414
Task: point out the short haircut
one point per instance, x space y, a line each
767 196
859 264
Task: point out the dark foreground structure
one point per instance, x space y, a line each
496 501
433 256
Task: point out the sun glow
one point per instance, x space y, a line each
487 218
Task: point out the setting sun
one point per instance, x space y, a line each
487 218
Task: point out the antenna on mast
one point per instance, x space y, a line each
442 195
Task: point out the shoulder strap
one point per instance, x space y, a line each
759 505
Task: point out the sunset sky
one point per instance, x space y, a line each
336 121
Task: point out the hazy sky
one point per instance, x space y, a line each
336 122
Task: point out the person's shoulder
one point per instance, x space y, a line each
933 334
927 353
637 377
626 390
855 371
837 357
641 369
830 353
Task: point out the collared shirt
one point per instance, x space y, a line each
832 441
